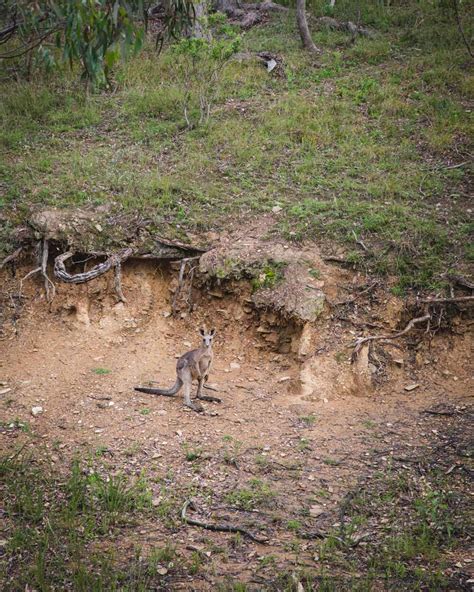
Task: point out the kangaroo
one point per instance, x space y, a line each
194 365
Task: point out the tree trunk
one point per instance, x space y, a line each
200 28
303 27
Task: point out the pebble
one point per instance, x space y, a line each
35 411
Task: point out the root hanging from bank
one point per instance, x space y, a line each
43 253
11 257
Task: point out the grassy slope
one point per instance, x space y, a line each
357 144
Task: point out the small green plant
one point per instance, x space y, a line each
101 451
101 371
257 493
314 273
369 424
192 454
199 66
232 450
331 462
269 275
267 561
304 445
145 411
308 420
294 525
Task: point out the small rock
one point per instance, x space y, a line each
166 314
284 379
156 501
5 391
316 511
412 387
276 209
35 411
234 366
161 412
162 571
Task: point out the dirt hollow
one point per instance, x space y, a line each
80 359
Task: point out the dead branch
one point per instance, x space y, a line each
80 278
357 296
347 26
447 300
360 341
460 280
360 242
11 257
216 527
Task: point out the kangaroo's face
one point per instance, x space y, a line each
207 337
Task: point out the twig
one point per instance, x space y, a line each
446 300
435 412
217 527
360 341
11 257
360 242
18 452
354 298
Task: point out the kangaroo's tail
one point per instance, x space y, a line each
166 392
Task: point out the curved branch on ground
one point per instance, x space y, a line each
216 527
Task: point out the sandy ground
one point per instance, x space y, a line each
80 360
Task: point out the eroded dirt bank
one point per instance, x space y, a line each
297 425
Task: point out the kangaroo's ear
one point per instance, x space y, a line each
202 332
212 332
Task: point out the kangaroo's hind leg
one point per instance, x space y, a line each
205 397
187 379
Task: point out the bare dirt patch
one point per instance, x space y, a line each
292 437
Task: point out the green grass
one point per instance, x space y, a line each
62 528
257 493
101 371
355 145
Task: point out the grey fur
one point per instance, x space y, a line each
193 365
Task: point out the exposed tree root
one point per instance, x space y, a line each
118 282
216 527
360 341
115 260
98 270
42 268
454 299
427 317
11 257
181 281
